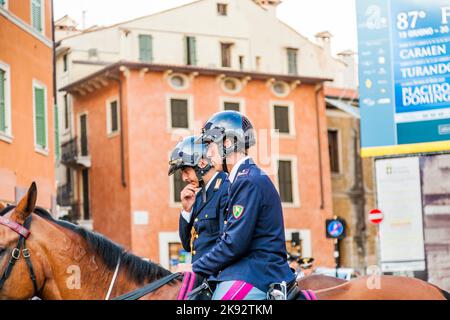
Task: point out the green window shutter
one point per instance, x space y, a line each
191 43
2 2
145 48
2 102
36 10
56 120
39 97
292 61
285 181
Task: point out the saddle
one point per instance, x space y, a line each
194 287
280 291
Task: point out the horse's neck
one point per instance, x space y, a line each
73 272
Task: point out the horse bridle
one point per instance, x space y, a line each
24 232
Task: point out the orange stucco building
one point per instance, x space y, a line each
26 100
128 116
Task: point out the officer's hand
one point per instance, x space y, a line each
188 198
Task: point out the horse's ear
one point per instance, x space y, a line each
26 205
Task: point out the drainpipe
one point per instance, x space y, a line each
122 143
318 89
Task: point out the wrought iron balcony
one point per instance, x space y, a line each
65 196
71 156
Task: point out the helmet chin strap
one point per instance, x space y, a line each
224 157
200 172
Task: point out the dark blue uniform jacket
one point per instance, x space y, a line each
252 247
206 218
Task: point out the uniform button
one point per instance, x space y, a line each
196 220
196 236
194 252
225 222
206 216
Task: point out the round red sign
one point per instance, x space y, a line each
376 216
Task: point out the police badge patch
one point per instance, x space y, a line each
238 211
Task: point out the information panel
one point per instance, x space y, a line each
404 73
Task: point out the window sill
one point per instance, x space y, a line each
41 151
113 134
289 205
284 135
6 137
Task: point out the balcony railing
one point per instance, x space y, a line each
71 155
65 196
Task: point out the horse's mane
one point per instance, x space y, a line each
138 269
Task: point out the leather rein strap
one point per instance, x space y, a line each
24 233
139 293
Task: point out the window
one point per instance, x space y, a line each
333 149
258 63
222 9
4 3
84 135
65 62
226 54
285 181
40 116
3 125
112 114
178 186
191 51
37 15
179 113
281 117
66 112
292 61
145 48
233 106
5 103
93 53
178 81
280 89
241 63
231 85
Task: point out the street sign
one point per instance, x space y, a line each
376 216
404 71
335 229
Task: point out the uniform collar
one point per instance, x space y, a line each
236 167
211 181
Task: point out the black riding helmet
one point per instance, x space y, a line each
188 153
231 125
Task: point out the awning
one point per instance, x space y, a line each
346 107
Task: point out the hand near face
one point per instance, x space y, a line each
188 198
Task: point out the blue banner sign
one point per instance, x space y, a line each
404 74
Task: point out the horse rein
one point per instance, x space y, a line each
23 232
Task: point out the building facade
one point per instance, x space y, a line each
27 147
130 115
352 180
236 55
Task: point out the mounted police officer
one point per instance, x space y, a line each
251 253
199 224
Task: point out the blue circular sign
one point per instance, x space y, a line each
335 229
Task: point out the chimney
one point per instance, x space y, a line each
269 5
324 39
350 73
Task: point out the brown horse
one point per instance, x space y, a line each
74 264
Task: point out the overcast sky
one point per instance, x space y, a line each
306 16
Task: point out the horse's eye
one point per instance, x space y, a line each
2 251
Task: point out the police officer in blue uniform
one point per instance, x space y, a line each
251 252
200 220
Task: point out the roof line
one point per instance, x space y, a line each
200 70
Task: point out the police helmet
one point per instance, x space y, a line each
188 153
232 125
